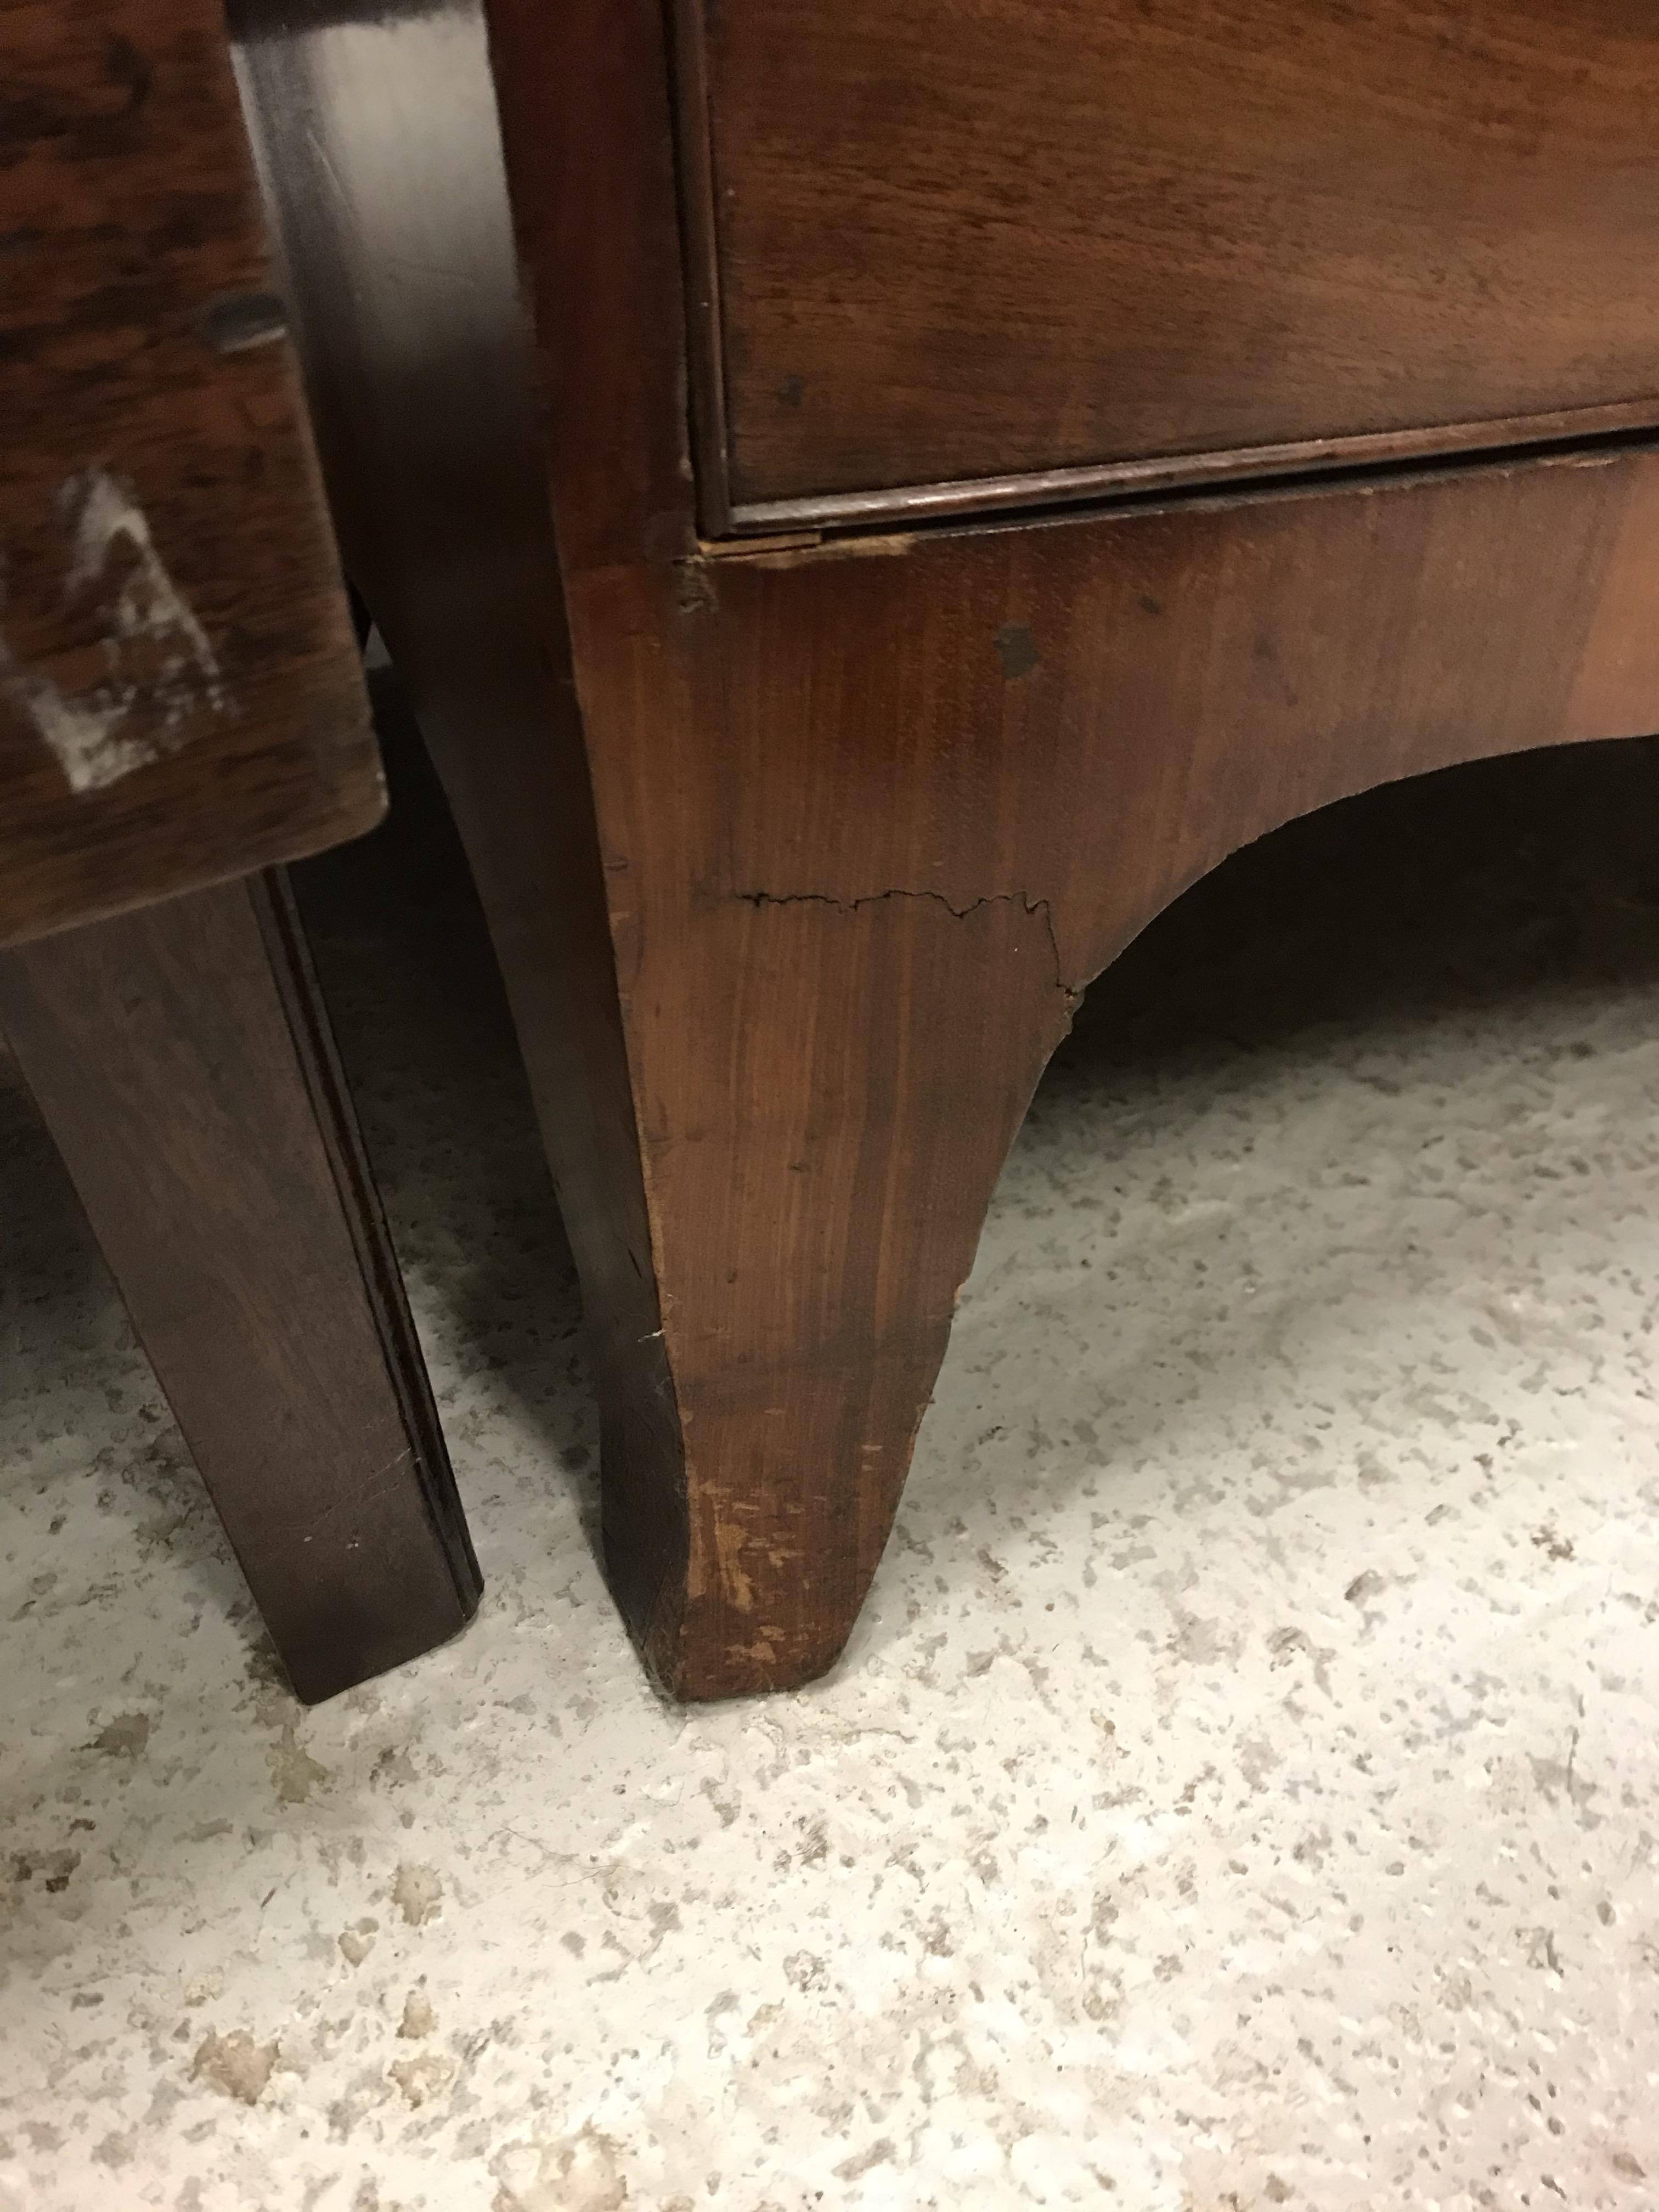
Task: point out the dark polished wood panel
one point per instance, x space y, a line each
182 1062
1021 235
180 697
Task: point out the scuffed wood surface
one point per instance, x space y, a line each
180 697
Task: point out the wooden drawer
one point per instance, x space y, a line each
954 239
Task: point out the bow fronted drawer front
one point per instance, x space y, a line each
1114 242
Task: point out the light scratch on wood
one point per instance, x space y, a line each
159 665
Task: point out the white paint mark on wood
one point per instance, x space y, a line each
159 674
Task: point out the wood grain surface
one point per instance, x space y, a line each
797 858
179 701
182 1062
875 813
960 242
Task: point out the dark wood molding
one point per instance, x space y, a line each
909 506
699 206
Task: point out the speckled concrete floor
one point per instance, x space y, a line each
1243 1789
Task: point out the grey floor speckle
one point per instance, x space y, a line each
1243 1789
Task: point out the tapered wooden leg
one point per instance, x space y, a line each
826 1095
183 1065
